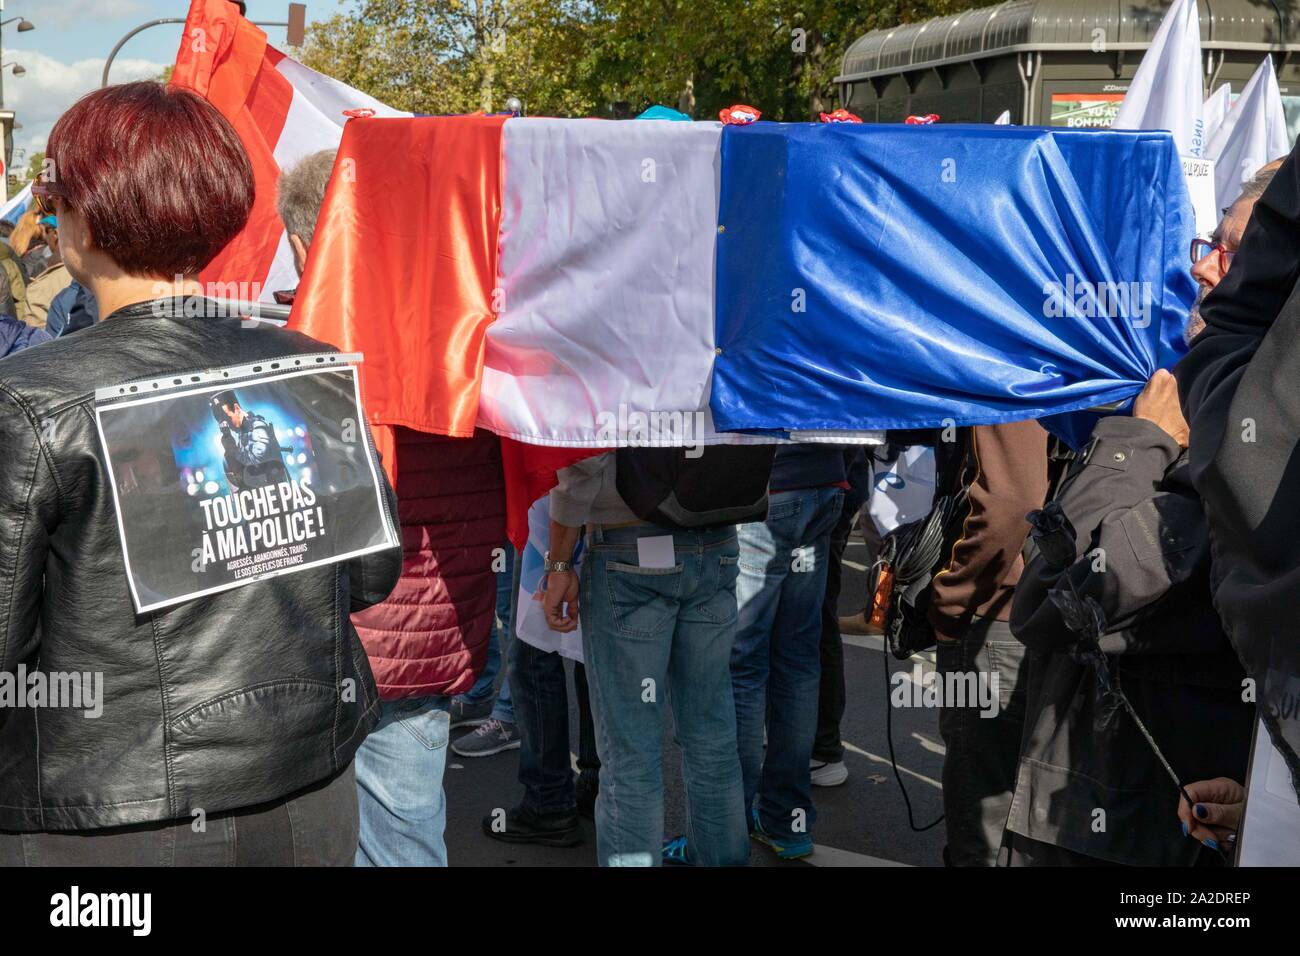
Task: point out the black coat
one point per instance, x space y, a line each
1094 786
220 703
1239 393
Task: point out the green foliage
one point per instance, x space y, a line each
604 57
458 56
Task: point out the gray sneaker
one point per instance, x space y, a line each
469 715
490 737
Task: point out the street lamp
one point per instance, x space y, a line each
6 146
24 26
297 26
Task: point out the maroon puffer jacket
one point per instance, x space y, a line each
431 635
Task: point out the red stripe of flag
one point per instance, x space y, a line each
225 58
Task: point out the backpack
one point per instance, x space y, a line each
725 484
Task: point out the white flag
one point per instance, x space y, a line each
15 207
1252 134
1215 109
1166 92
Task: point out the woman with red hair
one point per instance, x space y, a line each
228 723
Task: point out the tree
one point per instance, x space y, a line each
613 57
458 56
779 55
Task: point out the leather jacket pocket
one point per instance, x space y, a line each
253 744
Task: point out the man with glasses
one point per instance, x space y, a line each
1212 257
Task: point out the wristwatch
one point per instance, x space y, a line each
550 566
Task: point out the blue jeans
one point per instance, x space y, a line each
482 689
399 784
776 662
504 708
652 637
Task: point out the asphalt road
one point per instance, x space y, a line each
861 823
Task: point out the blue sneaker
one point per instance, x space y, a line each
785 848
675 852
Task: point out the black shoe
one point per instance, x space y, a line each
522 825
585 791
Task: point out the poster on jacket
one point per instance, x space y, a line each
236 475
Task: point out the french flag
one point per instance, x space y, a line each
550 279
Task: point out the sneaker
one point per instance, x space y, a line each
523 825
675 852
828 773
465 714
490 737
785 848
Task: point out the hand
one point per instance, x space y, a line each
561 589
1158 403
1217 816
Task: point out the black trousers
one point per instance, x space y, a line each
317 826
983 745
830 695
539 690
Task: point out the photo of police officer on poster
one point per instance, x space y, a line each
247 474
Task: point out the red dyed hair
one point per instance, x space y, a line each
159 175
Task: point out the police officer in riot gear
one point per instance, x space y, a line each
253 454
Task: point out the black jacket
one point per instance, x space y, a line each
1238 386
1142 544
220 703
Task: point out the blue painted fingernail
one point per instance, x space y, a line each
1212 844
1202 812
1184 829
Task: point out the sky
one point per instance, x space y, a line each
64 56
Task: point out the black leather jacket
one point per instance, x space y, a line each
223 702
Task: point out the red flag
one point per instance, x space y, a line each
403 268
282 111
226 60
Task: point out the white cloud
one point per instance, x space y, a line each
51 86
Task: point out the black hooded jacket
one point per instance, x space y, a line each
1240 396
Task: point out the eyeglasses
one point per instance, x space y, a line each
1204 247
43 196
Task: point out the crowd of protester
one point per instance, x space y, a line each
1080 585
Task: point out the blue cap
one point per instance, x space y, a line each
49 221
